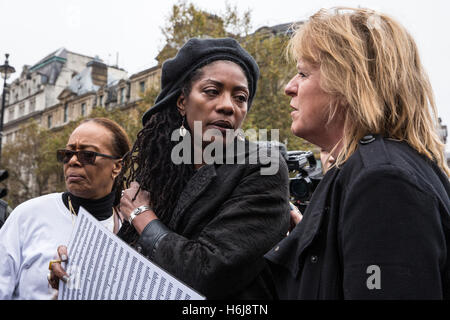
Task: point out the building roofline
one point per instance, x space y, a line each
79 54
138 74
46 62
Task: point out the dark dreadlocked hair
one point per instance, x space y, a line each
149 162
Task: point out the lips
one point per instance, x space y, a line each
294 111
222 124
73 177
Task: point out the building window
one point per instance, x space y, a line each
21 109
142 86
66 112
49 121
122 95
100 100
32 105
11 113
83 109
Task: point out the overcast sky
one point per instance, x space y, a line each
30 30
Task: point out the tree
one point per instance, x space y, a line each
31 159
270 108
23 160
187 21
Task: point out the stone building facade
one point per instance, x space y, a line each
65 85
38 87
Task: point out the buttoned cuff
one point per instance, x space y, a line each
150 237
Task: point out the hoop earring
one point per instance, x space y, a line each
240 135
183 130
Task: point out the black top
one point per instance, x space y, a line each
377 228
226 218
99 208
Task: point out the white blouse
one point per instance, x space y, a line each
28 241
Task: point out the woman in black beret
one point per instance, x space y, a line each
207 223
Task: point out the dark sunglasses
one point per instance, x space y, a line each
83 156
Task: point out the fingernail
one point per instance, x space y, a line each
63 257
65 279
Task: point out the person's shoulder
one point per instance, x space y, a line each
37 203
379 158
375 152
268 157
371 152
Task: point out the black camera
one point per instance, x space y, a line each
309 174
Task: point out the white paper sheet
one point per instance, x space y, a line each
103 267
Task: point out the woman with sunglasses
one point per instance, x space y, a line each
29 239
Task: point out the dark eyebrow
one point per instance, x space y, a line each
220 85
82 146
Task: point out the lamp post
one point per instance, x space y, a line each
5 70
442 131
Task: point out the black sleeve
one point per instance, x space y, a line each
392 239
228 254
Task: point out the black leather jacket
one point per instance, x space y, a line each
226 219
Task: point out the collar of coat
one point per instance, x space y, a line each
243 151
289 251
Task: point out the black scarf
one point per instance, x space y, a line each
101 209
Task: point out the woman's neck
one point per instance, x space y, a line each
99 208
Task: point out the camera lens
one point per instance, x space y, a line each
299 189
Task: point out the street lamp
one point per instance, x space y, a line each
442 131
5 70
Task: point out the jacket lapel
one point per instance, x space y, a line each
194 188
204 176
290 250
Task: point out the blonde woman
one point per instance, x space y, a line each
378 224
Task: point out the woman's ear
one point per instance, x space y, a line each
181 104
116 169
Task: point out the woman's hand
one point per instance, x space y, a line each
57 272
127 205
296 216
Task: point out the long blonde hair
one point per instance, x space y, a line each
370 65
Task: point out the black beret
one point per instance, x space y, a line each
194 54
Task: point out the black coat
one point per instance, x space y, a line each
226 219
378 228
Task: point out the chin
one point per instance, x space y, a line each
79 193
297 131
304 134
